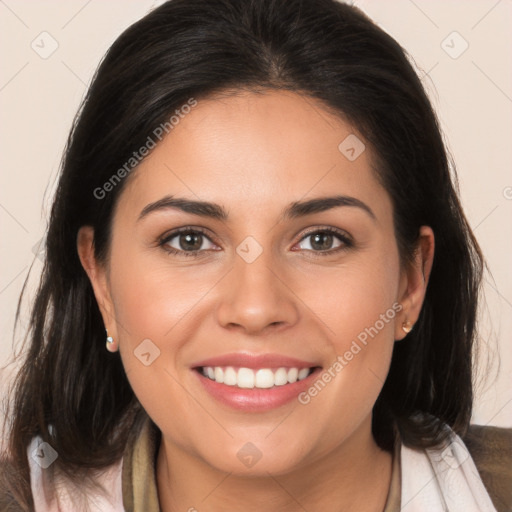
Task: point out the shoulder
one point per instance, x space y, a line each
491 450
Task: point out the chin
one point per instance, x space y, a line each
256 459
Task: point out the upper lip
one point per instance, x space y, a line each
255 361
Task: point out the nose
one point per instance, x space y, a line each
255 297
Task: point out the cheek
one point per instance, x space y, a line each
151 296
357 301
156 306
358 305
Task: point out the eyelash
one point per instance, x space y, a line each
164 240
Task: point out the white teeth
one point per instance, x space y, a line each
219 374
245 378
281 377
230 376
293 373
248 378
303 373
264 379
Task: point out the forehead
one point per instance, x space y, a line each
257 150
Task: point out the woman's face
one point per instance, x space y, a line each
273 287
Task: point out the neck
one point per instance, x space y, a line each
353 477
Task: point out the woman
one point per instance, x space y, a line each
256 218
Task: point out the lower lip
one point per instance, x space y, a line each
255 399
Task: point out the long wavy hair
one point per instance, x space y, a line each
324 49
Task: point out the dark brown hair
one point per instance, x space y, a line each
327 50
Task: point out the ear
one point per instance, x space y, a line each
414 281
98 276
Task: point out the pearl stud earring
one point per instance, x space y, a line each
110 342
407 327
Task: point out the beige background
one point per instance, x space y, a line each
472 94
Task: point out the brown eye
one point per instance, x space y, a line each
190 241
186 242
322 241
325 241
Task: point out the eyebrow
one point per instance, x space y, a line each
293 211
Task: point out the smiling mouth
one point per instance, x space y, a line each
248 378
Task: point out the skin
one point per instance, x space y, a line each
255 154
